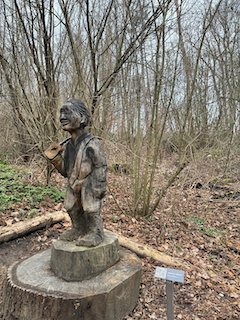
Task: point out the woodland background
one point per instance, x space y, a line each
159 77
161 80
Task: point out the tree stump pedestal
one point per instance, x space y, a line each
69 283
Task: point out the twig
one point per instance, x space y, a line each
116 200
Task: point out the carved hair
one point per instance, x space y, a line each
79 107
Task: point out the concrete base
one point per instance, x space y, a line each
74 263
32 291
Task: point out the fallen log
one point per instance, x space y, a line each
22 228
148 252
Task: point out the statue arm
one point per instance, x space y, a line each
98 173
98 160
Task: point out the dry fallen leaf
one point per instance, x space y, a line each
198 283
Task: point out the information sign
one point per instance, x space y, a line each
169 274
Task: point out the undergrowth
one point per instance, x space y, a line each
213 232
15 187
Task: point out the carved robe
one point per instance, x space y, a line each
85 166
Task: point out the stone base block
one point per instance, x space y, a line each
32 291
74 263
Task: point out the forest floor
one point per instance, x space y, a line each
198 222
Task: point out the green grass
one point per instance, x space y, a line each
15 187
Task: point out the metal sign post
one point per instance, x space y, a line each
169 291
170 275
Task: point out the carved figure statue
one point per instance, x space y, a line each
85 166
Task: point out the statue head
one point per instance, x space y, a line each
74 115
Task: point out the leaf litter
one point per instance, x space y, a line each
192 224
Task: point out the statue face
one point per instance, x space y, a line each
70 119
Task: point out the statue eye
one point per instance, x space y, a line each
65 110
68 110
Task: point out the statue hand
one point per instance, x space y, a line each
52 151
